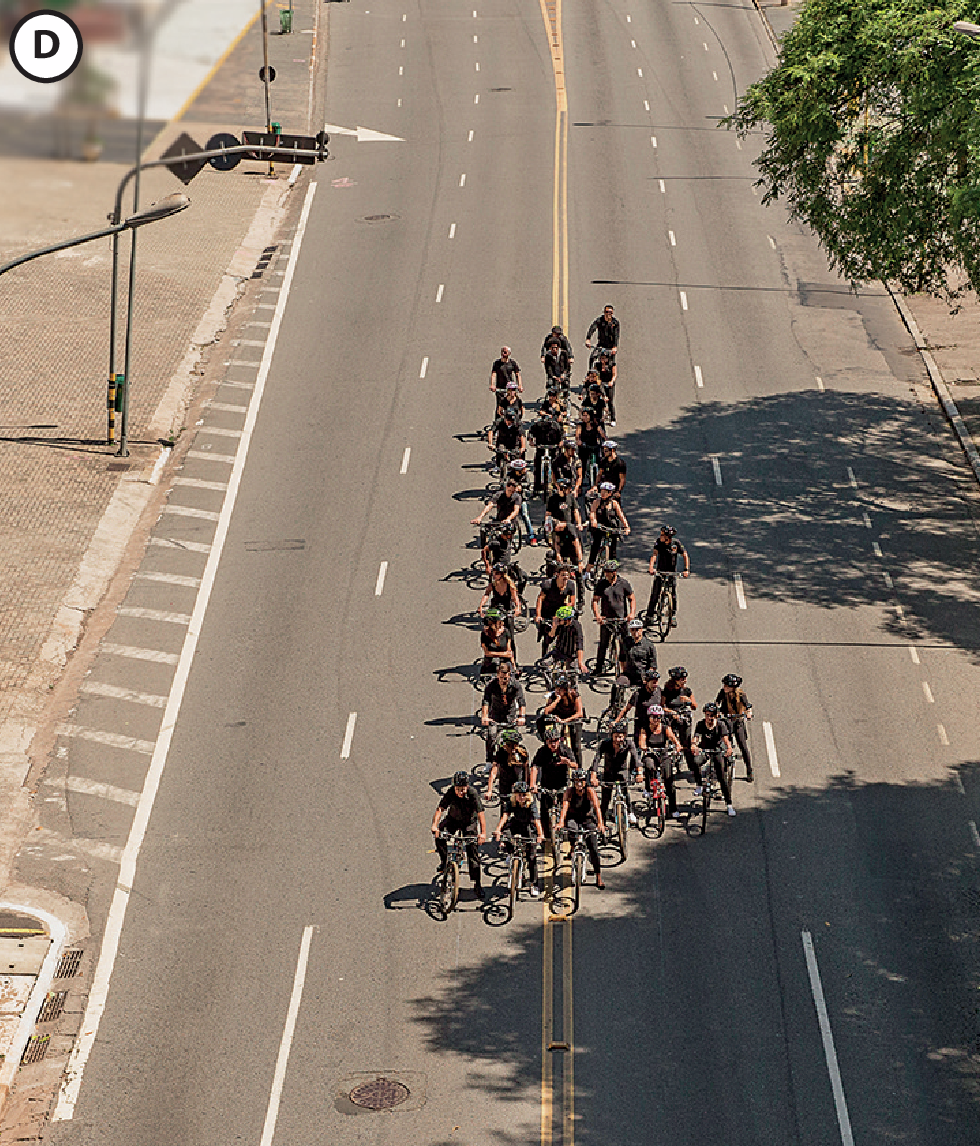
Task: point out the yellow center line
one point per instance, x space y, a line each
551 12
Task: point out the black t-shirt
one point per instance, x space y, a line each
499 550
545 432
735 705
559 505
580 807
639 656
606 331
503 709
591 437
605 372
677 697
711 738
521 817
556 365
667 553
615 764
504 372
568 639
605 514
554 597
506 435
612 469
461 811
509 771
565 466
597 404
560 339
613 597
515 404
500 643
505 503
566 706
552 767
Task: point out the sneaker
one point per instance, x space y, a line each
731 810
533 891
612 422
632 819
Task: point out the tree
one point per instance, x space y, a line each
872 118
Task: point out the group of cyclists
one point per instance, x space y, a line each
577 472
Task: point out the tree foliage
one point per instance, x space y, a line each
872 119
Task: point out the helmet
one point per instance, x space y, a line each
518 464
511 414
500 567
562 681
710 709
608 444
678 672
511 385
655 710
493 615
507 528
521 788
552 731
569 442
565 613
595 386
563 479
651 674
635 624
551 390
460 778
556 330
510 736
579 774
669 530
612 566
619 727
731 680
606 487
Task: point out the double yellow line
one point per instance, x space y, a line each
551 11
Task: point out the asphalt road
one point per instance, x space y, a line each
687 982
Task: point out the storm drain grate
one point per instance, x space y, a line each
54 1004
68 965
36 1049
379 1094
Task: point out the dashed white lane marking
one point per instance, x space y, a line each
715 75
639 72
725 106
188 546
888 580
633 43
401 70
137 654
469 138
425 366
476 39
199 483
629 19
683 300
153 615
927 692
403 43
348 736
477 67
653 141
740 591
405 457
866 518
851 478
189 511
673 240
452 230
86 787
442 287
399 103
404 17
170 579
716 466
208 456
876 549
771 748
379 586
827 1037
110 739
975 834
476 98
772 241
697 21
697 376
705 45
113 692
462 180
646 104
944 739
663 189
914 654
474 13
819 382
282 1059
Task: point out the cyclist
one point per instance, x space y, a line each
612 599
637 653
557 365
666 551
549 771
509 399
605 367
605 513
594 401
503 595
711 739
496 642
736 709
464 813
647 695
580 812
679 704
509 765
619 760
520 814
506 505
606 330
564 706
568 639
566 521
556 334
503 703
612 468
498 547
517 469
567 464
507 439
589 436
554 406
545 434
661 743
504 370
555 591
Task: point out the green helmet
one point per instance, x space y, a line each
510 736
565 613
492 615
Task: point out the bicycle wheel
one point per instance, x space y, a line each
578 875
729 767
545 477
661 810
665 613
449 887
515 884
622 830
705 804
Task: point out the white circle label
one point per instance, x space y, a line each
46 46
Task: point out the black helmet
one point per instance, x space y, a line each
731 680
521 788
710 709
561 681
678 672
620 727
556 330
512 413
651 674
460 779
563 479
579 774
669 530
500 567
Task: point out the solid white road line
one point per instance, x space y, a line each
380 583
348 736
975 834
827 1037
944 739
282 1060
405 458
739 591
851 478
113 692
716 466
697 376
771 748
425 366
928 692
85 787
95 1007
914 654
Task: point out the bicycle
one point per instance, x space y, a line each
656 792
617 700
620 816
660 611
553 812
449 880
706 766
578 854
519 866
490 534
603 557
617 626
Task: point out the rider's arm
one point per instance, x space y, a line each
687 562
577 714
435 818
481 821
500 827
622 516
631 607
564 809
592 329
483 601
490 779
598 808
483 512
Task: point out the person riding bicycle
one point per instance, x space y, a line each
557 335
637 653
589 436
613 599
643 698
605 367
736 708
612 468
580 812
517 471
506 505
503 595
554 405
564 706
666 551
618 757
498 548
606 330
568 640
496 642
711 739
595 400
504 370
605 513
549 771
566 522
545 435
555 591
661 744
503 703
510 764
509 399
557 365
507 440
679 704
567 464
463 813
521 817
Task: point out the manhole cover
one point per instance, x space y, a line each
378 218
380 1094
